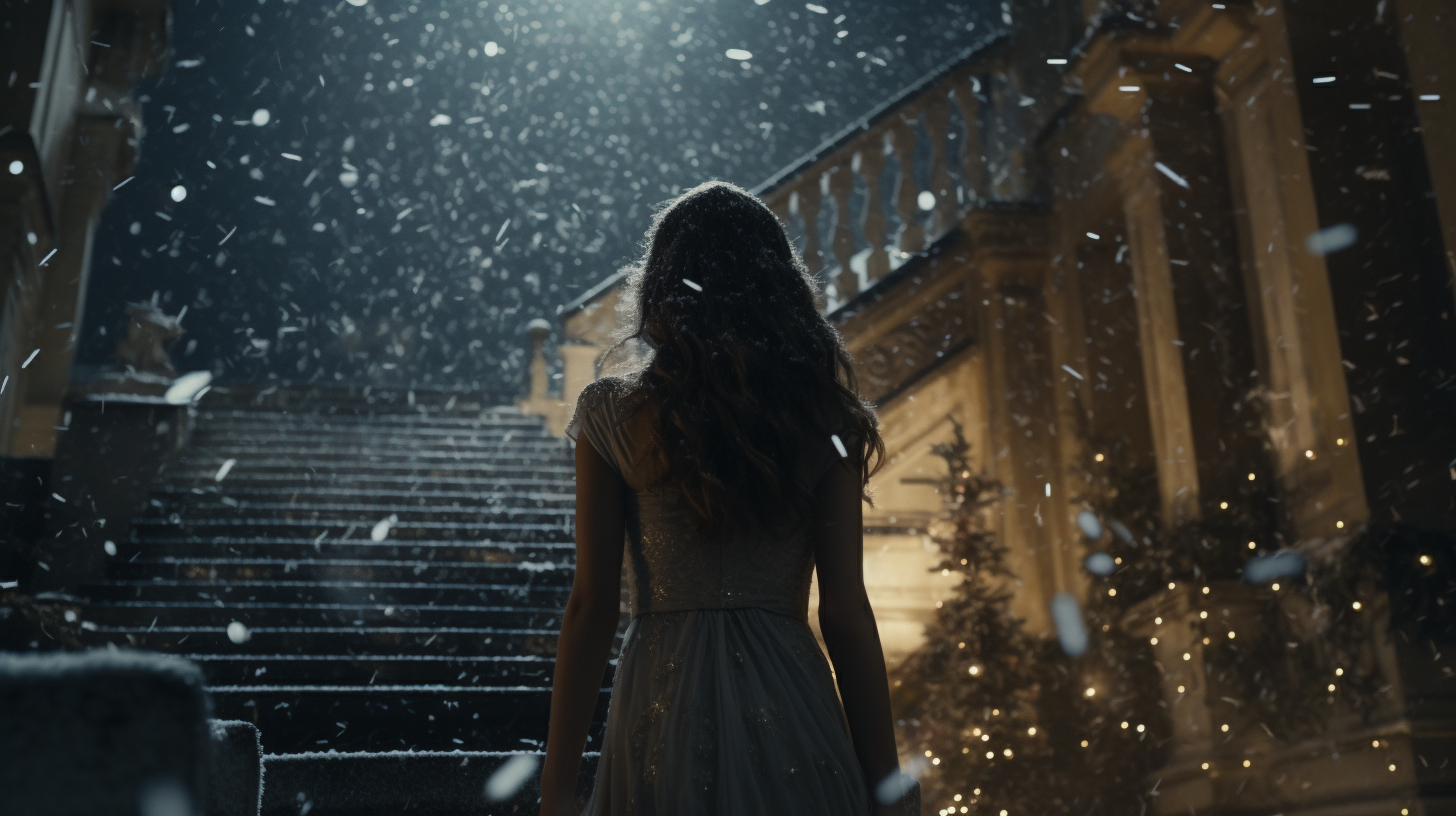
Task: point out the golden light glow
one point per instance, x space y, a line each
1084 743
1205 766
1355 605
1124 723
1205 590
1231 634
1155 641
1331 687
1171 585
1158 621
1252 545
1223 505
975 670
1031 731
1203 614
1181 689
1247 763
1392 767
1274 586
1426 560
1187 656
1205 641
1091 692
1223 727
1340 525
1339 672
1099 457
1111 592
1251 477
1309 454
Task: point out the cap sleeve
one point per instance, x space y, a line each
596 418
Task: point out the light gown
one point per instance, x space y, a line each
722 702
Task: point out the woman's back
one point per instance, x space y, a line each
670 566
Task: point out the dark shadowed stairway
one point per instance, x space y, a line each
366 580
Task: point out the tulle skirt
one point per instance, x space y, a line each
725 712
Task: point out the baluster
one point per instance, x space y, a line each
871 160
973 156
912 236
841 185
937 124
778 204
806 195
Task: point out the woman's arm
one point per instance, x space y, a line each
587 627
848 623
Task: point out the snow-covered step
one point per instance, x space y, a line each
373 512
339 528
532 595
430 783
233 569
369 669
197 612
359 546
378 718
400 640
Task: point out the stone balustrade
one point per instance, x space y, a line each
897 179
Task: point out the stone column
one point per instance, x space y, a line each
101 155
580 363
1192 307
1010 260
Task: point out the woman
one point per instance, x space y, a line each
733 459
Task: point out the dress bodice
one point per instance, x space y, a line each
670 567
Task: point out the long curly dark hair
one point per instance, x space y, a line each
749 376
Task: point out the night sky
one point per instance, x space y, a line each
386 193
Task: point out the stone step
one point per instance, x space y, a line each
345 512
324 569
417 496
303 477
395 640
403 717
357 547
320 441
372 669
146 614
323 458
528 595
401 469
227 418
208 529
422 783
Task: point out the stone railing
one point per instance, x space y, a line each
900 177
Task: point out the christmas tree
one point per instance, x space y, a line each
1009 723
970 694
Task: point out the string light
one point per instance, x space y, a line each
1274 586
1223 727
1187 656
1181 689
1252 545
1339 525
1099 457
1084 743
1031 731
1155 641
1339 672
1247 763
1111 591
1231 634
1091 692
1251 477
1203 615
1426 560
1332 687
1355 606
1205 766
1309 454
1223 505
1158 621
975 670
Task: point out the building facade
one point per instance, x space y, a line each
1206 243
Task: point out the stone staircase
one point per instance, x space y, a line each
367 580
